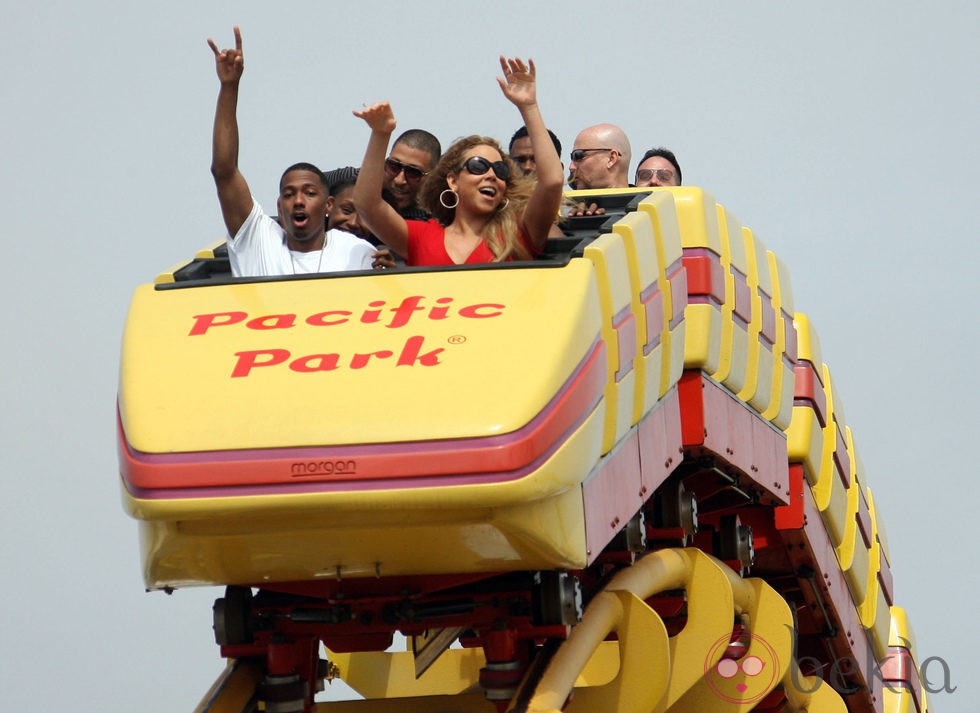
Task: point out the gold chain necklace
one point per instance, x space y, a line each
319 261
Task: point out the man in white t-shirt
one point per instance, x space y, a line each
261 246
258 245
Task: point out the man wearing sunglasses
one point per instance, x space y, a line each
658 167
600 158
413 155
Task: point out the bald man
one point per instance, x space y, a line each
600 158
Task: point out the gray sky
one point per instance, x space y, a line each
843 133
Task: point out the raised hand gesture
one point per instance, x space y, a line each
379 117
518 83
229 63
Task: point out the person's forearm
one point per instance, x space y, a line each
224 152
370 179
546 160
542 208
376 215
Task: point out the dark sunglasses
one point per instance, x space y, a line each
664 175
477 165
413 174
578 154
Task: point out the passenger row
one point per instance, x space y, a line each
472 204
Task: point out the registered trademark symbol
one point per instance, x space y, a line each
456 339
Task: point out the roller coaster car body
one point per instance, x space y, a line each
401 423
467 453
404 422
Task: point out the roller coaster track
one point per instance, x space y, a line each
651 671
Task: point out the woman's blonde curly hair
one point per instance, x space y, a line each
501 232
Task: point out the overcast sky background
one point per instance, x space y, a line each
844 134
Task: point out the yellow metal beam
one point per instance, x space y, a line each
233 691
381 674
710 612
429 704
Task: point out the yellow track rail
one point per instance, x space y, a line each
642 671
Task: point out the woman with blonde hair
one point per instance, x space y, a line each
483 211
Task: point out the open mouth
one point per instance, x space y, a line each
300 220
489 192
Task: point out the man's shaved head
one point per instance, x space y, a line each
603 161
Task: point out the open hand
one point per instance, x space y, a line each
518 83
229 63
379 117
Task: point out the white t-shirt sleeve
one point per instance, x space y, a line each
257 248
346 251
365 250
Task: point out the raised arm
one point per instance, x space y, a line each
379 217
233 193
519 85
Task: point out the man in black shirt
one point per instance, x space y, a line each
413 155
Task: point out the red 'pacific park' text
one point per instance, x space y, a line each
409 308
410 355
412 352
